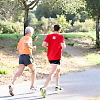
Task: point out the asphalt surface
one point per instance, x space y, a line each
77 86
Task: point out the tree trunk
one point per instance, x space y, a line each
97 33
26 19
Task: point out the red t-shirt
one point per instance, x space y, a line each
54 46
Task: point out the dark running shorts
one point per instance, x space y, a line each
25 59
54 62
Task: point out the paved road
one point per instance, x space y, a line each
77 86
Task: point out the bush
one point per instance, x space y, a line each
10 28
61 19
3 71
87 26
44 26
70 43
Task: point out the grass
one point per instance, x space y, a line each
14 38
93 58
39 41
10 36
79 35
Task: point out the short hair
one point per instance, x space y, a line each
56 27
29 30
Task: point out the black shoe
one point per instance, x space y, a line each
57 88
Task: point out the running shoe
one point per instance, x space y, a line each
33 88
43 92
11 90
57 88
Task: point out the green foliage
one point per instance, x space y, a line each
93 7
44 26
10 28
10 10
69 6
32 19
39 41
87 26
3 71
47 11
59 7
61 19
70 43
83 16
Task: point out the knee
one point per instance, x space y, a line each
50 76
58 70
32 67
33 70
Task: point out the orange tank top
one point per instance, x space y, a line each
22 48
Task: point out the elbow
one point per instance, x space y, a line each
63 47
42 44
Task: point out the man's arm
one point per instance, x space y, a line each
63 45
28 43
45 44
30 46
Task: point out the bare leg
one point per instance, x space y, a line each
33 73
53 69
19 72
57 76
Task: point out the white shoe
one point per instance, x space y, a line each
33 88
11 90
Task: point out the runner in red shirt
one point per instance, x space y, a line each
54 48
54 43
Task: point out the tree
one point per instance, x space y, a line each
66 5
44 10
69 6
9 10
27 5
93 7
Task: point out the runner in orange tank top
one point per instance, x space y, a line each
25 48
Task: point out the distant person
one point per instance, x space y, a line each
25 59
54 44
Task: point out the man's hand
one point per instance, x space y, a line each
34 48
